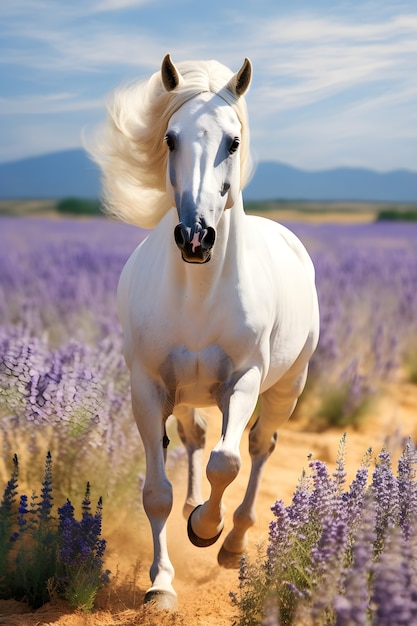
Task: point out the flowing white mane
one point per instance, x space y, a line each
131 150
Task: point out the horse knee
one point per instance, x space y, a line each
223 467
157 500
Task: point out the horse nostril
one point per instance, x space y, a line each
209 237
179 236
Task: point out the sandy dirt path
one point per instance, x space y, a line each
202 586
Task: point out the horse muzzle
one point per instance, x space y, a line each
195 242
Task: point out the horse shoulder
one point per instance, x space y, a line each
276 237
288 276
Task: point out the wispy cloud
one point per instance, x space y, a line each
116 5
59 11
47 104
330 86
323 56
324 78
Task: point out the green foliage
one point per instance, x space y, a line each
395 214
340 408
411 362
81 553
31 539
6 520
79 206
39 552
412 366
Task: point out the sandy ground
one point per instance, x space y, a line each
202 586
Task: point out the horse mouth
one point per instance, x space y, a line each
194 259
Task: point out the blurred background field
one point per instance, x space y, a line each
281 210
62 369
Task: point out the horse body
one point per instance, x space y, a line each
218 308
199 326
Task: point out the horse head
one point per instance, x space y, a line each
203 171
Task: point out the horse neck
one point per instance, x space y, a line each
229 243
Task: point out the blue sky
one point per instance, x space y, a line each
334 82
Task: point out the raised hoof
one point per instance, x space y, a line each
161 599
200 542
229 560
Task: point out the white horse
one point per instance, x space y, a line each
218 308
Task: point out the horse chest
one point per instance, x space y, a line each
193 378
191 353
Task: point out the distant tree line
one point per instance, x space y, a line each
82 206
79 206
395 214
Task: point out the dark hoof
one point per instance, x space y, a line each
161 599
195 539
229 560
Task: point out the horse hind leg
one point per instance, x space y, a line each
277 405
235 544
192 429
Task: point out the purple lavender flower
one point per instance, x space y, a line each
353 606
279 532
7 536
80 544
330 549
354 499
339 475
86 503
345 558
324 497
67 526
10 491
395 583
327 558
22 513
385 491
407 489
299 510
46 499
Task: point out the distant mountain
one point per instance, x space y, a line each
54 175
273 181
71 173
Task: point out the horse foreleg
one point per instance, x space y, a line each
277 405
157 491
206 522
192 429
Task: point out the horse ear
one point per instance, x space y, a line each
240 82
170 75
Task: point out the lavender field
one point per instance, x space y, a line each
63 383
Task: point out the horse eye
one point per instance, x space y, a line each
170 142
234 145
